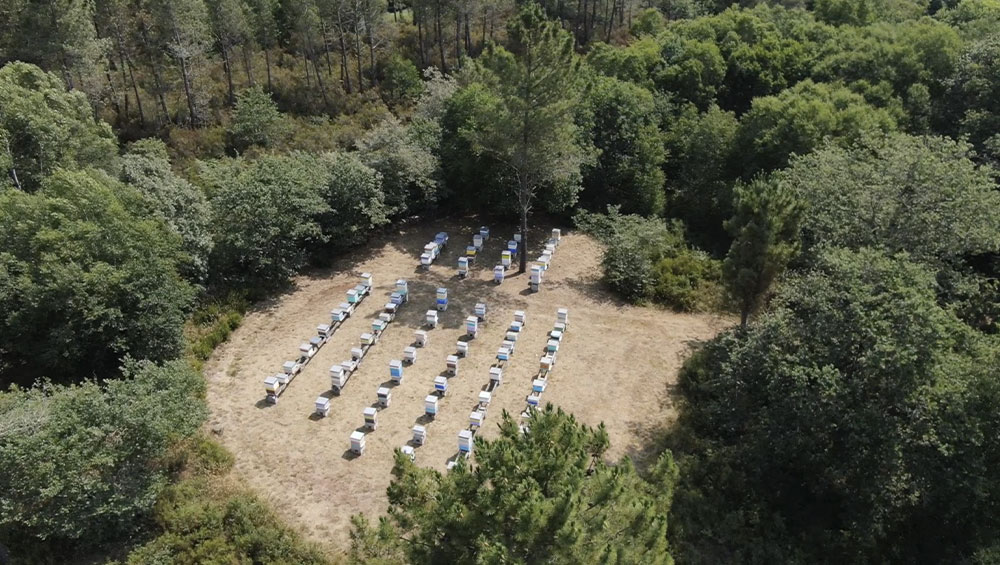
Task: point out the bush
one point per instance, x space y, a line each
204 524
648 259
82 463
689 282
628 271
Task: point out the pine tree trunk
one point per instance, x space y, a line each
524 239
344 65
357 52
135 91
420 38
440 36
371 54
458 41
188 91
267 63
248 64
227 67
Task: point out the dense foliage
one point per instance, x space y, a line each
544 491
82 462
849 424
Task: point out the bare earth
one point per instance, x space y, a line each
615 366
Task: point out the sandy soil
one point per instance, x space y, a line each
616 365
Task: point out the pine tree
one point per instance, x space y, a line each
765 226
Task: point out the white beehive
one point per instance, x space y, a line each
463 266
545 365
503 354
371 418
420 336
465 442
505 258
496 375
472 326
511 336
384 396
337 377
556 335
432 318
307 349
366 280
521 317
431 405
352 296
498 274
379 325
516 326
538 385
289 367
462 347
441 385
271 385
562 316
475 419
509 345
322 406
358 442
410 354
425 259
402 287
480 310
367 338
408 451
556 234
357 353
484 398
477 241
484 231
451 362
338 315
552 346
323 330
517 237
419 435
391 308
385 317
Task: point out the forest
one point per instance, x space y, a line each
822 171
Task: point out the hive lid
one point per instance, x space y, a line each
418 429
430 399
322 401
465 434
357 436
370 411
383 391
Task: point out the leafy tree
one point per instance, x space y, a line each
797 120
353 194
974 96
400 84
231 27
694 70
636 62
265 215
408 168
532 132
86 279
182 206
920 195
82 462
765 230
847 424
545 493
700 147
256 120
622 119
44 127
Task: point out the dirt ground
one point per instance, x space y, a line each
615 365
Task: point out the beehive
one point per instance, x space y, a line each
358 443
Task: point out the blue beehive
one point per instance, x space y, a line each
442 299
396 370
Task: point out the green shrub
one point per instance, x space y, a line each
688 282
206 525
649 259
628 271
